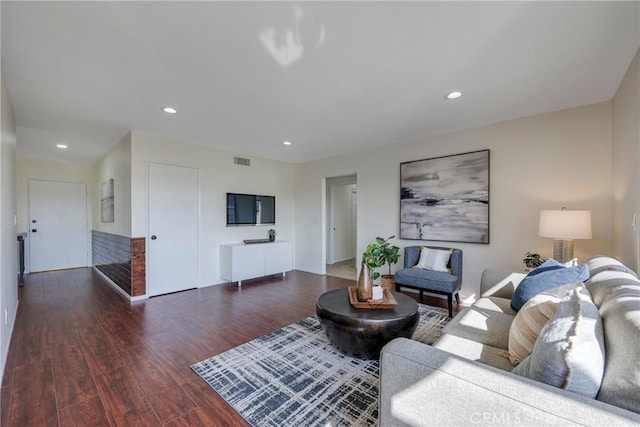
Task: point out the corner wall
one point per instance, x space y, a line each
8 231
116 164
218 175
539 162
626 167
113 251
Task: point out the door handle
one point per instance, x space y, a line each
153 237
33 230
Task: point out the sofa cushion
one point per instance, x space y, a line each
600 263
434 259
549 275
500 283
473 350
530 320
501 305
602 285
569 353
481 325
618 294
437 280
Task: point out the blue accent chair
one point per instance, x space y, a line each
437 282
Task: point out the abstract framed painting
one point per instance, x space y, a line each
107 201
446 198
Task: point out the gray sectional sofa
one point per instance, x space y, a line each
463 379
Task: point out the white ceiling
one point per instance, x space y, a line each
332 77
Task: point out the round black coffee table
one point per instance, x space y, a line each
362 332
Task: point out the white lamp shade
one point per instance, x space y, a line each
565 224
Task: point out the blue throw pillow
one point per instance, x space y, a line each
551 274
548 265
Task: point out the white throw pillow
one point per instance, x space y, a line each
530 320
434 259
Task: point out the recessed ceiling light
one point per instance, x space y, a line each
62 146
169 110
454 95
287 143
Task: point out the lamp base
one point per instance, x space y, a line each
563 250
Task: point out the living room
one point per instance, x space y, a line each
583 154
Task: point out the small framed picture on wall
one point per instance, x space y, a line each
106 201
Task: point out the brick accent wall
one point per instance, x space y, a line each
121 259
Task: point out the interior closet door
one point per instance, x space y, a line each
173 228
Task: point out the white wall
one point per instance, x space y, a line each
218 175
115 164
626 167
8 241
540 162
48 171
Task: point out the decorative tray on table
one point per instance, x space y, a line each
387 301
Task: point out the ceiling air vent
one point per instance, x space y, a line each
242 161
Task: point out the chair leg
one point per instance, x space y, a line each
397 287
421 294
457 298
450 301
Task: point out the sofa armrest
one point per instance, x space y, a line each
421 385
500 283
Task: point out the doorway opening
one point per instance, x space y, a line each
342 226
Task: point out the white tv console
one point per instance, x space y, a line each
240 261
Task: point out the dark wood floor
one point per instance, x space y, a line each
81 355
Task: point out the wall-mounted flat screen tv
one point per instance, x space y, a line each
250 209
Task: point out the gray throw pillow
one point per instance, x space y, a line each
569 352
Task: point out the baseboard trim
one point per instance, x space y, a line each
321 273
121 292
5 355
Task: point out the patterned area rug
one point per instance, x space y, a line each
295 377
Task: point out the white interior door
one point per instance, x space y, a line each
173 228
58 232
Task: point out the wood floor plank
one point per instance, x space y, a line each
89 412
72 377
32 344
5 402
82 355
213 405
100 353
123 400
33 400
194 418
163 393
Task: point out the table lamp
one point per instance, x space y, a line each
564 226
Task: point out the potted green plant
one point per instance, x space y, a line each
378 254
532 261
272 235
